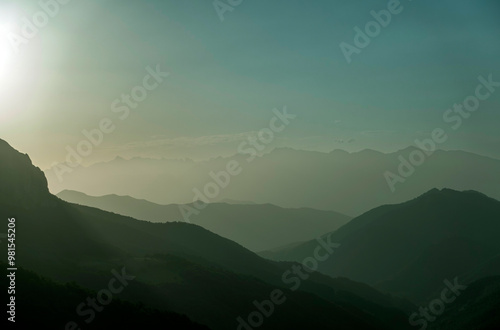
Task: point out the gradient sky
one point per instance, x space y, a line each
226 77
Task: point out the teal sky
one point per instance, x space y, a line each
226 77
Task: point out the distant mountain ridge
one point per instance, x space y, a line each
258 227
349 183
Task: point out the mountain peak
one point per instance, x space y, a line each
449 196
22 182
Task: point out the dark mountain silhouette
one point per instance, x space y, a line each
256 227
44 304
409 249
349 183
476 308
21 183
178 267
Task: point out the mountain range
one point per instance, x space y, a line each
378 270
257 227
177 267
349 183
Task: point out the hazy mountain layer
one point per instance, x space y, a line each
350 183
256 227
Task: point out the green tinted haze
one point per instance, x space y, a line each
226 77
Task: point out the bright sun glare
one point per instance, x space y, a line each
6 56
10 62
6 52
8 14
